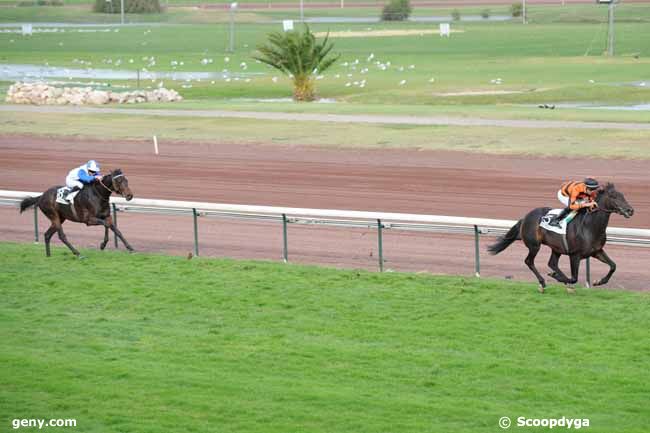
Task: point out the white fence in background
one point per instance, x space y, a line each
339 218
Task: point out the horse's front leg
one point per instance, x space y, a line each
603 257
557 272
119 235
575 269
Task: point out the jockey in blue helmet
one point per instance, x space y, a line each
82 175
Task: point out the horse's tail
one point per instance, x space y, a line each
504 241
28 202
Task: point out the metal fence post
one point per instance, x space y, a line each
477 256
115 224
588 272
285 248
196 232
380 246
36 224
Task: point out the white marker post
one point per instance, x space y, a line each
155 144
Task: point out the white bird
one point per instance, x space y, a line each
348 84
431 80
401 83
226 59
274 79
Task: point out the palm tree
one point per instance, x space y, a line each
298 55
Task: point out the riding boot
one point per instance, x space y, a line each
65 197
557 219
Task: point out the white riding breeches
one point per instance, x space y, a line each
563 199
71 183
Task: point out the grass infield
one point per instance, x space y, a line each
148 343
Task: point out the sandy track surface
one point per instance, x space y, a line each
444 183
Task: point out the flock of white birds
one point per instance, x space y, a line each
355 74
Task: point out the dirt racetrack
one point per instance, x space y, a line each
410 181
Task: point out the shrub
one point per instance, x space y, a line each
130 6
298 55
516 9
396 10
485 14
455 15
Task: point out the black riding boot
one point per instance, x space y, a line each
75 188
559 217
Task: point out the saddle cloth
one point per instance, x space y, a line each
544 223
61 192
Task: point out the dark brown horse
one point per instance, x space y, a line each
91 206
585 237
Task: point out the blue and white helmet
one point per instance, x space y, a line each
92 166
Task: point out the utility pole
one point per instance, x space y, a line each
523 12
122 11
610 30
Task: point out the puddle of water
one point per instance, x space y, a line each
285 100
40 73
638 107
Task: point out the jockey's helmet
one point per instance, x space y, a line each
591 183
92 166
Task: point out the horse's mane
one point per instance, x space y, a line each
608 188
115 172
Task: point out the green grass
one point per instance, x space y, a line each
605 143
146 343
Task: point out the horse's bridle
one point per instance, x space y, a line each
112 180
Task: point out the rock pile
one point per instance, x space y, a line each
43 94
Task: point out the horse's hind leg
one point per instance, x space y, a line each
64 239
530 262
603 257
557 272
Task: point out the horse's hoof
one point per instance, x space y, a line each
599 283
80 257
540 289
570 290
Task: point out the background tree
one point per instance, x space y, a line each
396 10
298 55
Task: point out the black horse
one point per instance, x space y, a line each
585 237
90 206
